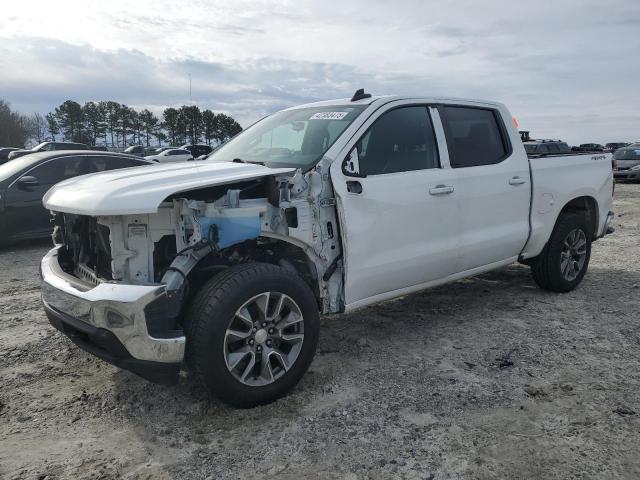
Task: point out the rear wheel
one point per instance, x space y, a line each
252 334
564 261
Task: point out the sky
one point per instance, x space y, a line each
566 69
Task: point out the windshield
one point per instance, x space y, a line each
291 138
40 146
627 154
9 169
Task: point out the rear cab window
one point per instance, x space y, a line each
475 136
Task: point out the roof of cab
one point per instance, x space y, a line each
36 156
381 99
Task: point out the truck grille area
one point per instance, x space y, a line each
86 251
85 273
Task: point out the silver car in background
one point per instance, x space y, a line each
626 163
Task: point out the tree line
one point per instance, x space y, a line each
15 128
116 125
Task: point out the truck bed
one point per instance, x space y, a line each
572 154
556 179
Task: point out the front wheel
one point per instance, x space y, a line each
564 261
252 333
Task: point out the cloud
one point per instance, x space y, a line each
566 69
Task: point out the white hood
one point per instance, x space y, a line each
142 189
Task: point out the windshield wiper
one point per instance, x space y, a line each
239 160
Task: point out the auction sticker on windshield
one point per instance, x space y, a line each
328 115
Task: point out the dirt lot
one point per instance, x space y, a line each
485 378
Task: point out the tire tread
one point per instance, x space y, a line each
201 316
543 268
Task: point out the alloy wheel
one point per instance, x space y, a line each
573 254
264 339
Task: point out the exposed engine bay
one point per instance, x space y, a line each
288 220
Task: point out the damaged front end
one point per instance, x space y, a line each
130 276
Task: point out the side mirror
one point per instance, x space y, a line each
27 181
351 165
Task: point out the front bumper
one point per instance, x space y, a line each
113 321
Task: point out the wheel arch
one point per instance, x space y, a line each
544 225
273 250
586 204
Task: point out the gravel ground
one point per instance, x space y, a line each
488 377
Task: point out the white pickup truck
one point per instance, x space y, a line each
224 266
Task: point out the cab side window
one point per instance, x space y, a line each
401 140
103 162
475 136
179 152
58 169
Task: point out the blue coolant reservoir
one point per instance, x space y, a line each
234 225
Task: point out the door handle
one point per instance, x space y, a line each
517 181
441 190
353 186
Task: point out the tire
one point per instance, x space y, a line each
222 343
548 268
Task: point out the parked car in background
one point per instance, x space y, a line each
98 148
546 147
171 155
48 147
4 153
159 150
138 150
24 181
626 163
198 150
613 146
589 147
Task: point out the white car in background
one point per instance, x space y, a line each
171 155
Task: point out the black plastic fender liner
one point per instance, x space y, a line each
331 268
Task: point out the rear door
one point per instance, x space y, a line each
399 211
493 185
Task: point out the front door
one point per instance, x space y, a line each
399 218
25 214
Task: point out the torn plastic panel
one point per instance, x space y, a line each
297 209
